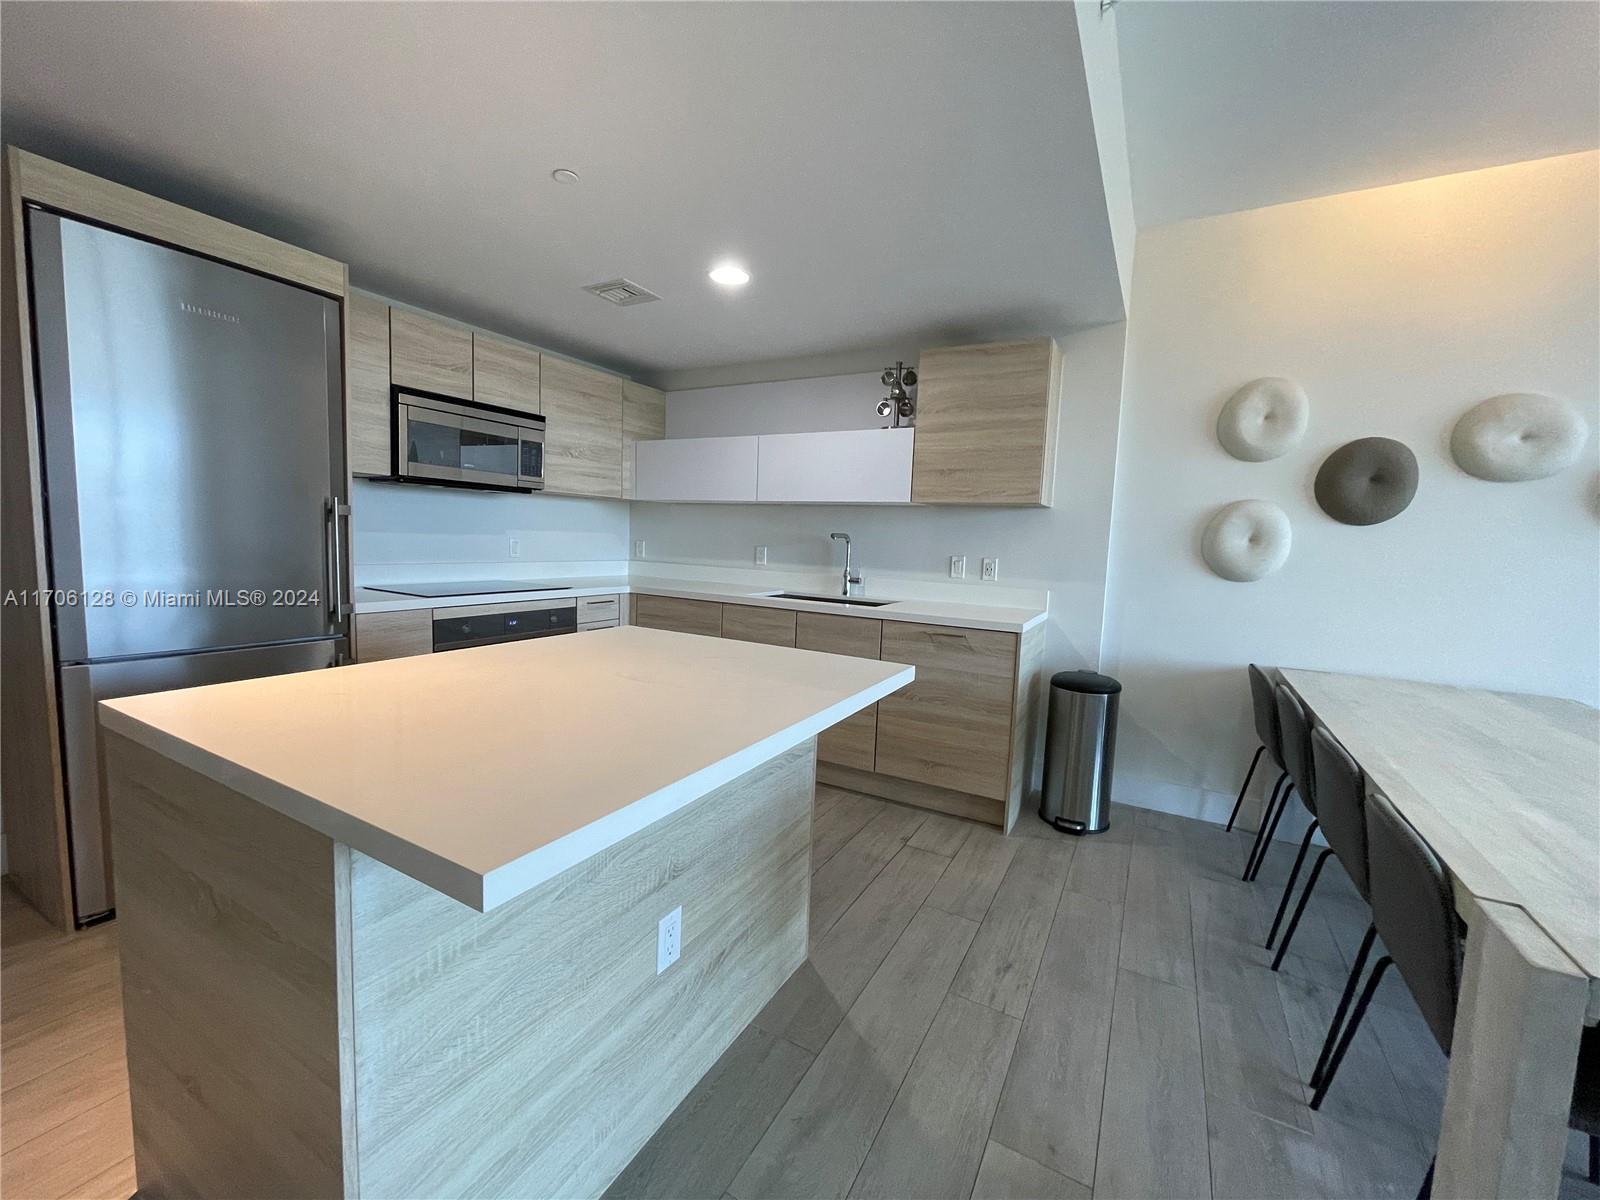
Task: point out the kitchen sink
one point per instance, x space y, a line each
854 601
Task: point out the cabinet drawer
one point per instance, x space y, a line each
383 635
586 626
752 623
853 741
951 727
430 354
682 616
599 608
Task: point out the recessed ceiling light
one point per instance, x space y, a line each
562 175
729 274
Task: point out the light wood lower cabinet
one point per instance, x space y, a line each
951 727
430 354
370 419
401 634
681 616
583 441
853 741
754 623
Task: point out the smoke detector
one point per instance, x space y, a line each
622 292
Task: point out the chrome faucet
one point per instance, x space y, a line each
852 579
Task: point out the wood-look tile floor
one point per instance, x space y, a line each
1033 1016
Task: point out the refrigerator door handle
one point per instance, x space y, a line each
330 554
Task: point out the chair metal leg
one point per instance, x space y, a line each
1348 995
1261 826
1594 1158
1299 909
1426 1190
1269 830
1350 1030
1243 787
1288 885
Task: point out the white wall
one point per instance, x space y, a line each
1061 548
396 524
1102 72
1397 309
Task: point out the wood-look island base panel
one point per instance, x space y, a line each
305 1020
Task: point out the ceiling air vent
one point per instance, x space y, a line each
622 292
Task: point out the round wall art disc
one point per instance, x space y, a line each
1516 437
1263 419
1367 481
1247 540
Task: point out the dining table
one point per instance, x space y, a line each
1506 789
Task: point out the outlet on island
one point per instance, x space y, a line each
669 939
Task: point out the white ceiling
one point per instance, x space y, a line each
892 173
1239 105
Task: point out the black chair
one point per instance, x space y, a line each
1341 800
1585 1115
1265 706
1294 725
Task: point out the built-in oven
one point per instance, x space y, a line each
488 624
439 440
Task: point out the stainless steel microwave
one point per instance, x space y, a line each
450 441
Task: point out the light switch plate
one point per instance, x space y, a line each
638 548
991 569
515 547
958 566
669 939
761 556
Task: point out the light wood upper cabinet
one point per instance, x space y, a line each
430 354
583 440
853 741
951 726
986 424
505 373
369 416
644 419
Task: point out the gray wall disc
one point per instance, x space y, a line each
1519 436
1367 481
1263 419
1246 540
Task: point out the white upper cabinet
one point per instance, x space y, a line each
847 466
703 470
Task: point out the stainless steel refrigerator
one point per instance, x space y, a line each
191 422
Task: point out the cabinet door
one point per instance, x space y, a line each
755 623
681 616
853 741
383 635
845 466
698 470
951 726
371 421
583 437
986 424
644 419
430 354
505 373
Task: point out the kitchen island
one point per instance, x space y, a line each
392 929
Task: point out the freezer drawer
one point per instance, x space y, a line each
83 685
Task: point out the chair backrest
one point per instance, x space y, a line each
1266 711
1413 906
1294 723
1341 804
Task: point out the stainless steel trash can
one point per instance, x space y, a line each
1080 741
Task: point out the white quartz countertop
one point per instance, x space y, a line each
926 612
485 772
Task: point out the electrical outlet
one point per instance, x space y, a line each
516 547
638 548
669 939
761 556
991 569
958 566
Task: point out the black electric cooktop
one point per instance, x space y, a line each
472 587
